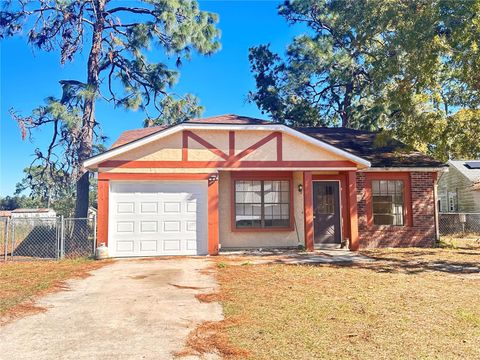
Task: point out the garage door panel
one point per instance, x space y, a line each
172 207
158 218
148 245
192 244
126 207
148 207
191 226
172 226
148 226
172 244
125 246
125 226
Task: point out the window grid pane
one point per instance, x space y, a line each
262 203
387 202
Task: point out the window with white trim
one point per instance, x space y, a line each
262 204
387 202
452 202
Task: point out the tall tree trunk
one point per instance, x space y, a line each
88 120
346 103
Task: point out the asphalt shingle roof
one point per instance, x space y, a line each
365 144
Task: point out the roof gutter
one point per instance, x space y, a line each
440 169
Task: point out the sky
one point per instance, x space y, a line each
221 81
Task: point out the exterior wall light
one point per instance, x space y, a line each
212 178
300 188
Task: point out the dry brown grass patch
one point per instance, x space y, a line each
386 309
211 337
188 287
209 297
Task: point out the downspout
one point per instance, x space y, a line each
435 202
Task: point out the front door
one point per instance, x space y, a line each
326 212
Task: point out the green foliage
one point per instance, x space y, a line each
15 202
176 110
43 190
117 36
410 68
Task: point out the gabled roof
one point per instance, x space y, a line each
360 146
131 135
471 174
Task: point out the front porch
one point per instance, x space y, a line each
321 211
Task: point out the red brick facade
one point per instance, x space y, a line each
420 233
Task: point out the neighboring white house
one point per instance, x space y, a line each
459 188
40 213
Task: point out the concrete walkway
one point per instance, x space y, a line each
132 309
296 257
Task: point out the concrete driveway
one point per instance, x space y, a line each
132 309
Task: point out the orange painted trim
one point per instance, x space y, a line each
353 214
213 232
231 144
261 175
308 209
184 146
206 144
151 176
127 164
103 194
103 187
345 214
280 147
252 148
407 196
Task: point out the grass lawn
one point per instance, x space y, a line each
410 304
22 282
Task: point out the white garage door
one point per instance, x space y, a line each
158 218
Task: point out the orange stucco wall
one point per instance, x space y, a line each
231 239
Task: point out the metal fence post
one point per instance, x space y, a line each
57 238
94 233
62 237
12 235
6 238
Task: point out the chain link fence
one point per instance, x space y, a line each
459 224
47 238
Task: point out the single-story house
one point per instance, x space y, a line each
5 213
459 188
230 182
34 213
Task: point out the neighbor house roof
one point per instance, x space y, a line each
26 210
5 213
380 152
461 165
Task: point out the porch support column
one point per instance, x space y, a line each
102 213
308 209
213 216
352 206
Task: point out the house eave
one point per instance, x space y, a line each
442 169
94 161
